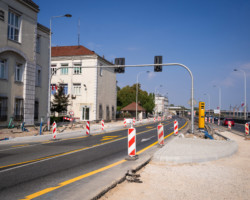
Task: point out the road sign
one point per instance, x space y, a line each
71 112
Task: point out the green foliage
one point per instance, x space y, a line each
60 101
127 95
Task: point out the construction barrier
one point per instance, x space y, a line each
154 119
209 120
54 130
125 122
247 129
131 142
160 131
67 118
229 125
102 125
205 119
175 127
218 122
87 128
133 121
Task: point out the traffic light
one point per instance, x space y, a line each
158 60
120 61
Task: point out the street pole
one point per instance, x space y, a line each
245 92
49 95
208 102
219 99
137 82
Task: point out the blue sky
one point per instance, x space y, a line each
210 37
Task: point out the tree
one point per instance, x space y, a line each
127 95
60 101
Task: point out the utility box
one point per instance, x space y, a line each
201 115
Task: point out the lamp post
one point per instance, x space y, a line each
48 111
208 102
155 97
245 93
137 82
219 99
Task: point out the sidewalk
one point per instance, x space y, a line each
178 171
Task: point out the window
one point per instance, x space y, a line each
36 110
3 108
53 88
107 112
77 89
65 88
53 69
3 73
113 112
1 15
18 109
14 26
38 44
100 111
38 76
64 69
19 73
77 69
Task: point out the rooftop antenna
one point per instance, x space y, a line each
79 32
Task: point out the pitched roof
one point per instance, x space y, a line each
70 51
132 107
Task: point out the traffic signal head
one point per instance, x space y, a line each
158 60
120 61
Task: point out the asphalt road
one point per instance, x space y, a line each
40 170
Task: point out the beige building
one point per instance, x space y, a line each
92 90
161 105
24 61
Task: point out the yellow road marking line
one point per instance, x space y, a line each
47 190
21 145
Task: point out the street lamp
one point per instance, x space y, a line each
155 97
245 95
137 91
48 111
219 99
208 102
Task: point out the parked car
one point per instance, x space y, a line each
226 120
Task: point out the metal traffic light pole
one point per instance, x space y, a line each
149 65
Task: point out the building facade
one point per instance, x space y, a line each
161 105
24 63
92 90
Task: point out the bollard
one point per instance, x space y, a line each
102 125
154 119
132 144
218 122
213 120
87 128
175 127
125 123
247 129
205 119
229 125
160 131
54 130
133 121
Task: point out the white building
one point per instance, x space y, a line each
161 105
24 63
92 90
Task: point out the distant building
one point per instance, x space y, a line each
161 105
24 63
131 108
92 90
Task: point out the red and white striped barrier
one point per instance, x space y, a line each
125 122
87 128
209 120
102 125
54 130
229 125
154 119
218 122
247 129
133 121
160 131
131 142
67 118
213 120
175 127
205 119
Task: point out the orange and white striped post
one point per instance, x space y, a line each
229 125
247 129
87 128
175 127
125 123
160 131
54 130
209 120
154 119
133 121
205 119
102 125
131 142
